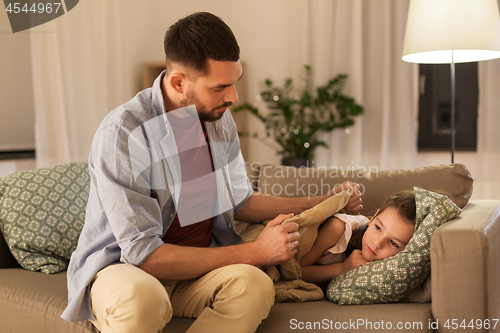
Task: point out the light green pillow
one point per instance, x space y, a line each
42 213
389 280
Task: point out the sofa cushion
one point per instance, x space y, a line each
389 280
325 316
376 186
42 212
33 302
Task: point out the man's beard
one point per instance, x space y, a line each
203 114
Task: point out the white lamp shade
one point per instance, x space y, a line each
436 29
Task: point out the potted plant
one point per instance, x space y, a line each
298 121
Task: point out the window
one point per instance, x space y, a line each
434 133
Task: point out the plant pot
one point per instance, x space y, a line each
296 162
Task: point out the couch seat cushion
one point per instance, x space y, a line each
32 302
293 317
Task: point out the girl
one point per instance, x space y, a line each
346 242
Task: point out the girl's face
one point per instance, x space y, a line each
387 235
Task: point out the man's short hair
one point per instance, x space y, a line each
192 40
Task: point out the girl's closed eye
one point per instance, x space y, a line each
393 243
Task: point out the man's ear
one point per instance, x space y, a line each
176 80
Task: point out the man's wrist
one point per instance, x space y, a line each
250 254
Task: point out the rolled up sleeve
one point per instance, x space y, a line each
133 213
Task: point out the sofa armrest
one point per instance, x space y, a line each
464 265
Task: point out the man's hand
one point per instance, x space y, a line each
277 243
355 260
354 204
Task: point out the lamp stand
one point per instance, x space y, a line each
452 70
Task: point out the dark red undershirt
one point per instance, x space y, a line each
195 162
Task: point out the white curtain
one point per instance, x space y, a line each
487 180
81 71
363 39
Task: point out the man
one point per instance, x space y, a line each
167 182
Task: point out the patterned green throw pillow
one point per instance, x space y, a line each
42 212
389 280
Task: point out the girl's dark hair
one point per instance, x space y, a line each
405 204
200 36
355 241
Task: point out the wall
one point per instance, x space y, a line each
259 26
16 97
11 166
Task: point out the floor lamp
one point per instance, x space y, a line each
452 31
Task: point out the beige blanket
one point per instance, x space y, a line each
288 276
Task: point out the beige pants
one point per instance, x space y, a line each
233 298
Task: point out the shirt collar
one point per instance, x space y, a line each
157 95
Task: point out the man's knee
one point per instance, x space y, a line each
253 292
138 304
148 295
253 282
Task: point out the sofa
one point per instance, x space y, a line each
461 292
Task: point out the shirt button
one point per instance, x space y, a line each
171 214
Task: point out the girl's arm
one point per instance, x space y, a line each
329 234
322 273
